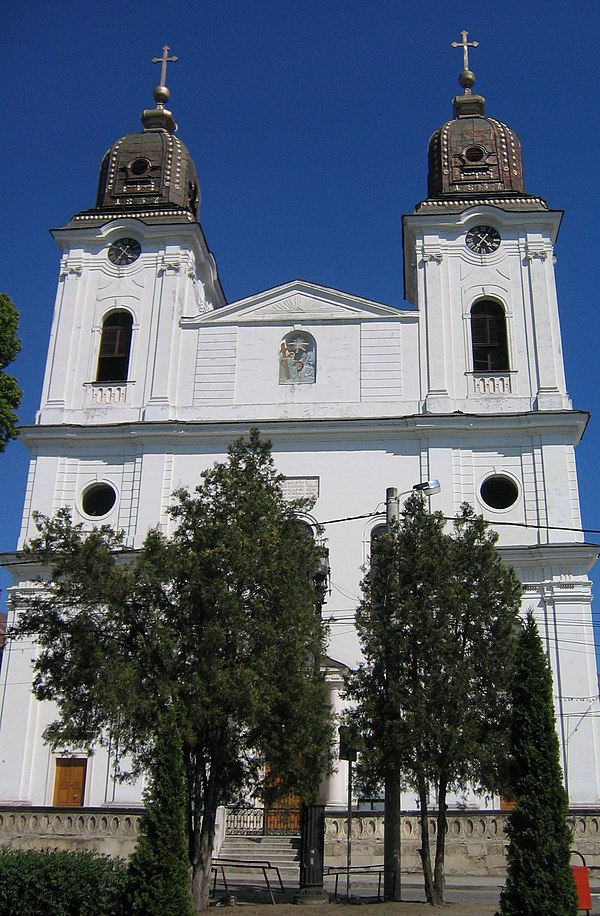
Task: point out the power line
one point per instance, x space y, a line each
452 518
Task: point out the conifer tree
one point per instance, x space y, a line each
433 696
10 393
159 868
539 877
220 622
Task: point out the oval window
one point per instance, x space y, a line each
499 492
474 154
98 500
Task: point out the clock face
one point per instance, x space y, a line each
483 239
124 251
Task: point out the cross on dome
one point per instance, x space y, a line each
159 118
166 59
465 45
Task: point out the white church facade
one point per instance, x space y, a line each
151 374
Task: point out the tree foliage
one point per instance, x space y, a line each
433 693
10 393
219 622
158 869
539 877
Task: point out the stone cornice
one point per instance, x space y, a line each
570 423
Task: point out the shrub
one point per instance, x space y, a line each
55 883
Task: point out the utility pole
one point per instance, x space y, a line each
392 889
347 752
392 845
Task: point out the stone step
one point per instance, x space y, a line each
281 852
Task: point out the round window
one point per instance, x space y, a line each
98 500
499 492
139 166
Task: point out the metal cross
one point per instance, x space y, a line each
165 58
465 45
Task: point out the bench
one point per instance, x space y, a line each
220 864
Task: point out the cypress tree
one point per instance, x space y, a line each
159 867
539 877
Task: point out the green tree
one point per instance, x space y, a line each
436 626
10 393
158 869
219 622
539 877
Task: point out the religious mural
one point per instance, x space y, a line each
297 359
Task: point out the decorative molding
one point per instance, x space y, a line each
170 263
435 257
492 384
70 269
532 253
107 394
291 304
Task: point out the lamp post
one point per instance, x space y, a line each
392 497
392 846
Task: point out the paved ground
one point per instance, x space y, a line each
375 909
468 896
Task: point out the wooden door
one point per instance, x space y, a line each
69 782
283 815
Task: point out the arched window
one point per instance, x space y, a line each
115 344
488 333
376 533
298 359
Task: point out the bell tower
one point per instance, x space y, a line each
132 268
479 266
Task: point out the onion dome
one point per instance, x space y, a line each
148 175
474 158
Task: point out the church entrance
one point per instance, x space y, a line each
69 782
283 817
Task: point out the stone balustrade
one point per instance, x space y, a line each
475 846
111 832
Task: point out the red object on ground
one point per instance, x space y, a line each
582 883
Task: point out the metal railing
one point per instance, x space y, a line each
263 821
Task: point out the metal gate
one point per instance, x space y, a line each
282 821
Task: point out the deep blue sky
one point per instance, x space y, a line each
308 123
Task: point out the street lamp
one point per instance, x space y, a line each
392 497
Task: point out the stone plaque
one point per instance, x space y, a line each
301 488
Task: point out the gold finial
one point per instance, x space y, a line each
161 93
467 77
159 118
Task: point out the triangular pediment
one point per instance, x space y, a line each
300 301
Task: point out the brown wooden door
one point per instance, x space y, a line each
283 815
69 782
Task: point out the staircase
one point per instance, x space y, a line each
282 852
